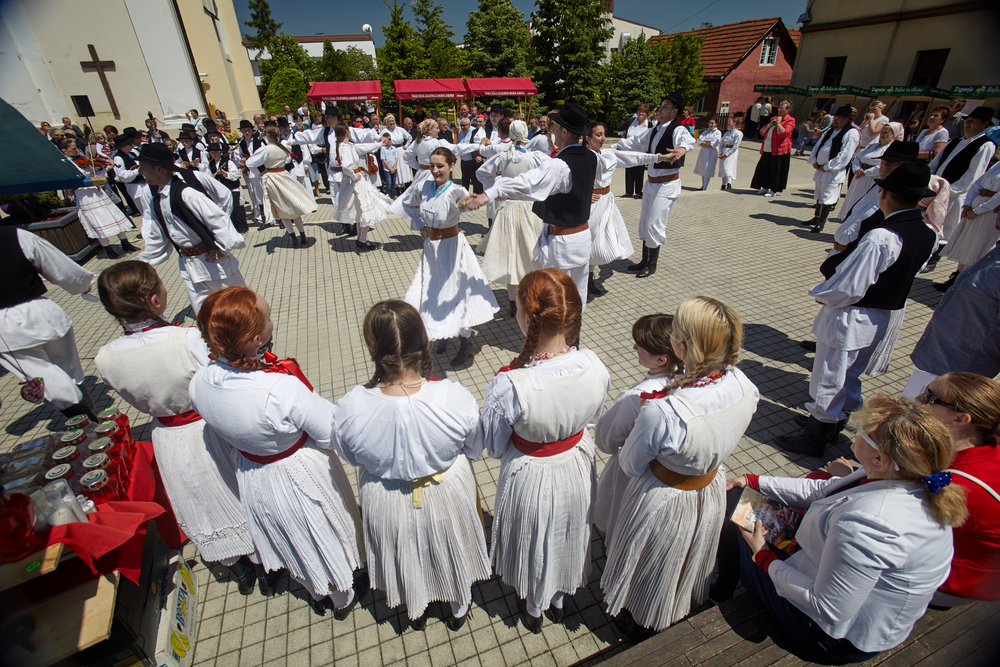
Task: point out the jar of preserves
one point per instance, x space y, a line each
114 450
69 454
64 471
117 434
81 422
119 417
17 524
112 466
97 486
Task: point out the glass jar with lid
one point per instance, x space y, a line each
99 487
81 422
115 415
108 464
114 450
115 431
69 454
64 471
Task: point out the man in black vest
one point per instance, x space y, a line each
663 186
126 171
226 171
863 296
561 188
961 162
250 143
182 218
831 160
36 335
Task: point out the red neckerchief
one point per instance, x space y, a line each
286 366
553 153
508 367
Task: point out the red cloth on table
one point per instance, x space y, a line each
113 537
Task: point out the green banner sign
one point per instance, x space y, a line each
788 90
976 91
909 91
838 90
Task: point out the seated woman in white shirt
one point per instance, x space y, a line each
934 137
873 546
410 435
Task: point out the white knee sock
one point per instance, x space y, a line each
557 600
123 236
704 182
459 610
362 234
512 292
298 225
229 562
288 226
342 598
532 610
104 242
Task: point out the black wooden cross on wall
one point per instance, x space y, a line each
100 66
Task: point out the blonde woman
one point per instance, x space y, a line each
662 551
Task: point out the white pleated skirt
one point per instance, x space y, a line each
100 218
197 470
857 190
541 522
507 248
433 553
403 173
608 500
450 290
609 239
303 516
359 203
289 198
973 238
663 550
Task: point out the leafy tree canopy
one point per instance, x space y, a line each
497 41
634 80
287 86
286 53
266 28
679 65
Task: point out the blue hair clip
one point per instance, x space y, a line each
937 481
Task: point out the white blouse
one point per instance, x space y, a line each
608 160
419 152
407 437
618 420
427 208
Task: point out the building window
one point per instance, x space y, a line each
769 51
833 70
724 109
930 64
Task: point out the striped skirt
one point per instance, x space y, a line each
662 552
541 523
433 553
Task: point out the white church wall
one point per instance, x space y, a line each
26 84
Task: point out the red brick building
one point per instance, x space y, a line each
738 56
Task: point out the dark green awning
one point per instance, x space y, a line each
41 166
976 92
839 90
914 92
789 90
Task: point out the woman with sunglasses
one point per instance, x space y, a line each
874 545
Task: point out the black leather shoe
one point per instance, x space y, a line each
803 421
625 623
555 614
441 346
592 287
110 252
295 240
361 586
512 309
367 245
245 574
809 345
530 622
464 352
455 623
420 624
946 285
319 607
268 581
352 230
811 440
128 247
650 269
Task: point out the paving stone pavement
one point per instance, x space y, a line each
748 250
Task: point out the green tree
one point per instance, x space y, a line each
362 63
286 53
335 65
496 41
399 57
287 86
568 52
266 27
439 57
634 80
680 68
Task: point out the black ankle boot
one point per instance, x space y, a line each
811 440
946 285
464 352
832 436
79 409
654 254
110 252
815 219
645 260
295 240
128 247
825 210
267 582
305 239
245 574
592 287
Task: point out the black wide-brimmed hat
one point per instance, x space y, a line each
677 99
909 178
901 151
188 127
270 123
983 113
246 124
211 128
215 147
573 117
187 135
282 121
122 140
130 132
498 108
846 111
157 155
332 111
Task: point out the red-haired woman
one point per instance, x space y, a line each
535 418
295 494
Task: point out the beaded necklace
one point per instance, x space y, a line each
705 380
542 356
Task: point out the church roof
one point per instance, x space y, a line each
724 46
319 39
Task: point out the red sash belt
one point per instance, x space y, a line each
280 455
183 419
542 449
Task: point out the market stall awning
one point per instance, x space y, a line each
909 92
345 91
976 92
843 91
429 89
501 87
47 169
786 90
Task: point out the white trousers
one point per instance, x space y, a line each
835 383
951 218
658 200
58 364
198 292
827 193
570 253
258 198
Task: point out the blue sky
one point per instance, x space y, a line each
307 17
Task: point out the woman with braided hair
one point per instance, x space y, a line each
295 494
874 545
535 417
410 436
150 366
359 205
662 551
